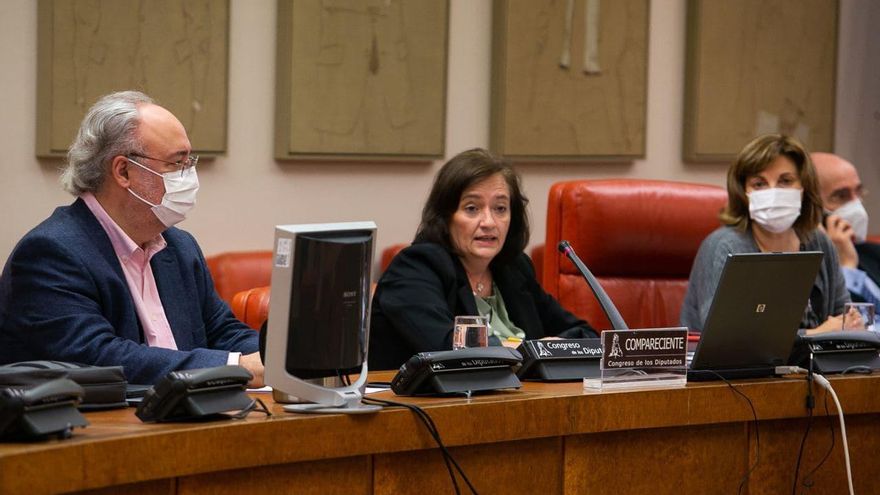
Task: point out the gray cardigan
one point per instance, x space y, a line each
827 298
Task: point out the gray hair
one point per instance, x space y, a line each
107 130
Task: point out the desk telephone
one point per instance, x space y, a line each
189 394
29 413
471 369
845 351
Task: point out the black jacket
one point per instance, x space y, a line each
425 287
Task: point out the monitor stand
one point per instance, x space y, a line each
356 407
324 398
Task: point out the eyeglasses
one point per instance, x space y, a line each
183 165
845 195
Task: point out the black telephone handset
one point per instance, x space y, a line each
44 409
176 396
419 375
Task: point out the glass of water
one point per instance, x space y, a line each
858 316
470 331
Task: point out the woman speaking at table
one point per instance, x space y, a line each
467 259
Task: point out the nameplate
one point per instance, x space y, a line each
642 358
661 348
560 359
565 348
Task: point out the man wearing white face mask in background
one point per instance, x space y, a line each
109 280
847 225
773 205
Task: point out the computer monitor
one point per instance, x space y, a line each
319 313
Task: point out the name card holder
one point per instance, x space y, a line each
649 358
560 359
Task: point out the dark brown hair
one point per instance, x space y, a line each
752 160
457 175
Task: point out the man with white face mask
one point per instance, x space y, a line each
109 280
847 225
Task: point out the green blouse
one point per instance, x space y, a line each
499 322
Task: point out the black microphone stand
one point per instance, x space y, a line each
608 307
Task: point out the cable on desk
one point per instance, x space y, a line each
746 476
432 429
344 379
252 407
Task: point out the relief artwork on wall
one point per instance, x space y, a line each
176 52
757 67
569 79
361 79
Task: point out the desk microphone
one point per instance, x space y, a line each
608 307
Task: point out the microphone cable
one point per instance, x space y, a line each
754 465
808 478
824 383
810 405
432 429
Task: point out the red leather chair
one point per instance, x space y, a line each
234 272
251 306
388 254
638 237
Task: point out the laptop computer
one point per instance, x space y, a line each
755 313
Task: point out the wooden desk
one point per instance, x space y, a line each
545 438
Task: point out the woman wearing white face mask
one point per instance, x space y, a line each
773 205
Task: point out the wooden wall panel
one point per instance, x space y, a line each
756 67
542 110
526 467
706 459
347 476
157 487
361 79
780 442
176 52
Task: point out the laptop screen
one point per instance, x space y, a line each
756 311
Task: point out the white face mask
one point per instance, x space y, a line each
179 198
775 209
854 213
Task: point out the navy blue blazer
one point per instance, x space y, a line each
63 296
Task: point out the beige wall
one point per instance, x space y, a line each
245 193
